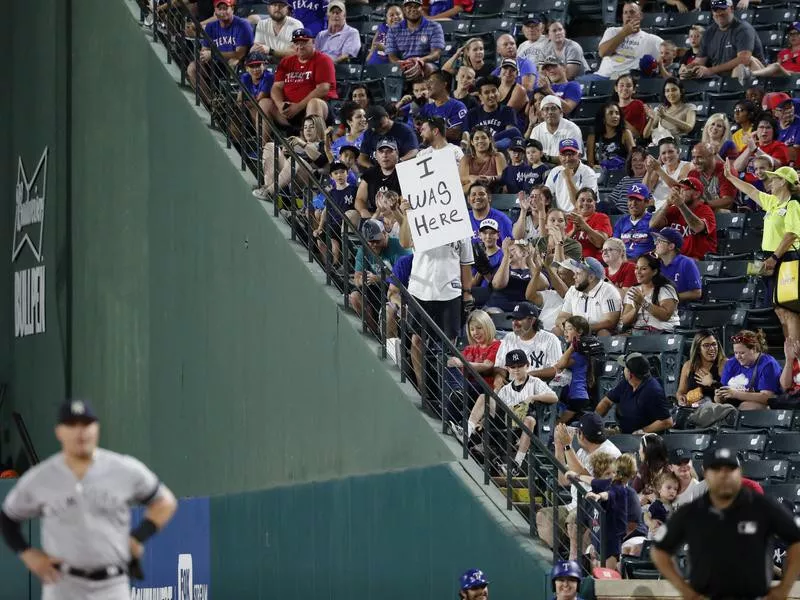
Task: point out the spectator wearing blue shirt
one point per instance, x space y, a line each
381 127
416 43
634 228
257 82
751 376
401 274
355 120
480 202
527 74
500 121
393 14
676 267
518 176
232 36
440 104
788 125
641 405
553 81
311 13
483 271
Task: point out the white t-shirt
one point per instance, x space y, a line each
583 457
533 51
694 490
549 141
511 396
585 176
551 306
645 319
543 349
458 154
661 190
627 55
282 41
593 304
436 273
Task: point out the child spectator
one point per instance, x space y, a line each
485 268
761 164
667 67
343 195
518 176
533 154
576 396
659 511
614 496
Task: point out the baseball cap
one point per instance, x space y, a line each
338 165
228 2
372 230
386 143
517 143
532 19
255 58
636 363
552 59
473 578
516 357
72 411
678 456
301 34
336 4
523 310
411 2
788 174
721 4
720 457
375 114
355 149
673 236
532 143
548 100
489 223
278 2
773 100
794 27
692 183
509 62
648 65
638 190
591 426
594 267
568 144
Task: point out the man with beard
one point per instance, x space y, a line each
274 35
542 347
378 179
686 212
380 126
718 192
596 300
416 43
431 132
730 532
480 201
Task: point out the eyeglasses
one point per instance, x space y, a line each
709 345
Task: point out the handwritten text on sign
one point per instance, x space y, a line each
438 213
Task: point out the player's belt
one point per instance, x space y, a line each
95 574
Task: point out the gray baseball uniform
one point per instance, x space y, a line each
85 523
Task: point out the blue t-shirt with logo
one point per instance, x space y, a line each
453 112
264 85
345 199
311 13
227 39
791 135
495 121
571 90
683 272
635 236
767 375
516 178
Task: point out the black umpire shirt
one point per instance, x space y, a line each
730 551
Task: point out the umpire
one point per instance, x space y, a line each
83 496
730 532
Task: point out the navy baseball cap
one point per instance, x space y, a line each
375 114
76 411
636 363
255 58
517 143
673 236
338 166
523 310
794 27
591 426
354 149
532 19
516 358
679 456
721 4
568 144
301 34
720 457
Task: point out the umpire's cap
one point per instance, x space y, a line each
76 411
474 578
720 457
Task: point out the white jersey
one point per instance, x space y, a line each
87 522
512 395
585 176
629 52
593 304
543 349
281 41
436 273
551 306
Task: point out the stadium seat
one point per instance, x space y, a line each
496 24
734 268
501 321
455 26
696 443
347 72
739 289
626 442
602 88
783 491
607 378
770 37
754 221
385 70
709 268
667 350
766 470
783 443
745 443
655 20
774 16
702 316
614 344
764 419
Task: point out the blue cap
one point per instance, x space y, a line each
673 236
794 27
569 144
648 65
76 411
721 4
255 58
565 569
302 34
473 578
638 190
517 143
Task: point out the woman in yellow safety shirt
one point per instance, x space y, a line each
781 229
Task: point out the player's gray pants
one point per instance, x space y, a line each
77 588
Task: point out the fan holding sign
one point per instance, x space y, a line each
436 224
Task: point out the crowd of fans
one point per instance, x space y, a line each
615 192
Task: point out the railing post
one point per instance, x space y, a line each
345 263
554 500
509 421
531 495
487 423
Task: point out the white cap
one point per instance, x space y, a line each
489 223
548 100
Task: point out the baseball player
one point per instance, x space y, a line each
83 496
473 585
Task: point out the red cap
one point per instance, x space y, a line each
230 3
774 99
692 183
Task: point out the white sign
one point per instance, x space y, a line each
29 290
439 213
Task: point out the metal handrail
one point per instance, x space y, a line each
24 435
538 452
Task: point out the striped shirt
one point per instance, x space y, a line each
406 43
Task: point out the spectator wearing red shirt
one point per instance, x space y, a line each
790 376
718 192
764 144
587 226
686 211
304 82
632 108
619 270
788 62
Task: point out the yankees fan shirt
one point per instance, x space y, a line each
543 349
